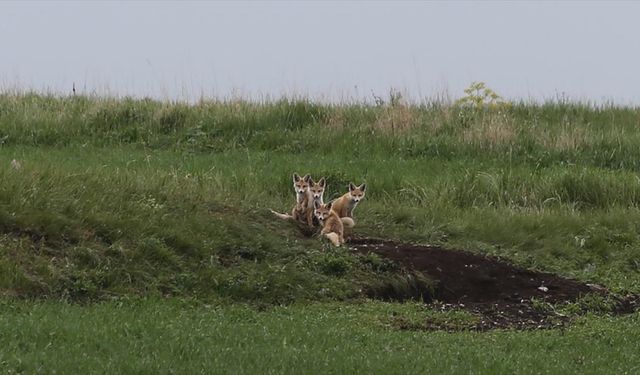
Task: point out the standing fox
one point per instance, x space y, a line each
345 205
332 226
317 193
307 192
317 189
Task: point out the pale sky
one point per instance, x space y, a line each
328 50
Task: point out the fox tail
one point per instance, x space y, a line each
348 222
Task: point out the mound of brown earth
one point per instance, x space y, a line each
498 291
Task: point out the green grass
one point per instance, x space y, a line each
121 199
116 222
120 221
151 336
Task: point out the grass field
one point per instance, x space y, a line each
136 234
171 337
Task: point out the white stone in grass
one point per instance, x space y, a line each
16 165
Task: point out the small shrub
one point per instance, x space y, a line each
334 264
478 96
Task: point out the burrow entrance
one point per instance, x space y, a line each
499 292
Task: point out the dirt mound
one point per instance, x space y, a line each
498 291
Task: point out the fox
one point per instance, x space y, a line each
332 227
317 192
307 192
301 188
345 205
317 189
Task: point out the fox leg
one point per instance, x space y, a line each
282 216
335 238
310 217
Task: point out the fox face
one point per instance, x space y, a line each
322 211
317 188
301 184
356 192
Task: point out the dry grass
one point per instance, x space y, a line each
396 119
568 138
402 119
490 131
336 119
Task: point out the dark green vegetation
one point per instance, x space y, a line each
123 198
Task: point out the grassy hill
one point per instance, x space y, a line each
125 196
116 199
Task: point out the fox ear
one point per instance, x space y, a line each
363 187
296 178
311 182
322 182
306 178
352 187
316 205
329 205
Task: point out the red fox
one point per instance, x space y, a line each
332 227
317 192
345 205
317 189
307 192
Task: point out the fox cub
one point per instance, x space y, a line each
317 193
345 205
332 226
307 192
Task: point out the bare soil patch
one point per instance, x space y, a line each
499 292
